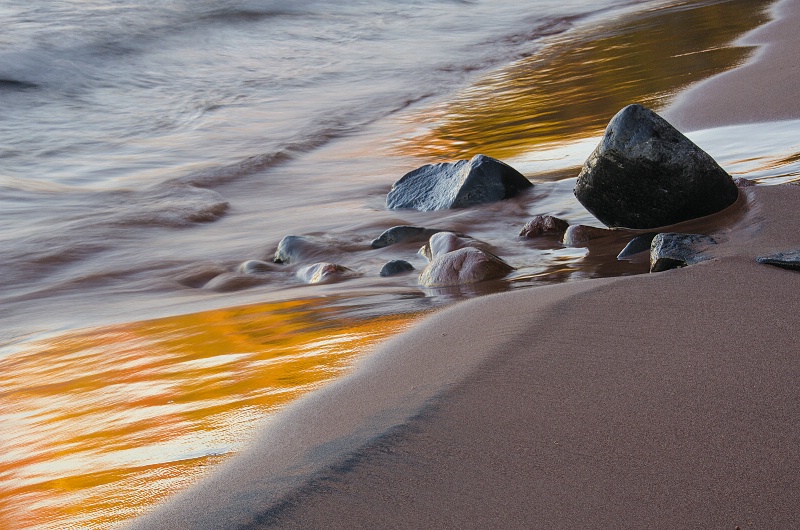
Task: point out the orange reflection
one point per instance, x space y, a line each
99 425
571 88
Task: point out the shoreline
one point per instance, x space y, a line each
760 90
560 412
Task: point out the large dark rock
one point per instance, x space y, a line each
646 174
456 185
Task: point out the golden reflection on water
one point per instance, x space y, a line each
98 425
571 88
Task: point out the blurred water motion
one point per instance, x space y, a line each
570 88
100 424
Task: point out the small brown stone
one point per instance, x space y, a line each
544 225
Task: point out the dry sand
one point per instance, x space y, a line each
668 400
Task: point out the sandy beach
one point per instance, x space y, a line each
666 400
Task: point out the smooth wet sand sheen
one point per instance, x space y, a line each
659 401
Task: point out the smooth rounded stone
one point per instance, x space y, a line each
463 266
576 235
445 185
646 174
232 281
297 248
544 225
255 266
785 260
444 242
324 273
400 234
671 250
637 245
397 266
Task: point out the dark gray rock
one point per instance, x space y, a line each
785 260
325 273
463 266
397 266
456 185
544 225
401 234
646 174
578 234
637 245
672 250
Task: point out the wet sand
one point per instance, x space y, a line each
762 90
657 401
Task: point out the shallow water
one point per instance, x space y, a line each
145 142
101 423
149 148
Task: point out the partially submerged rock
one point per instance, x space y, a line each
309 248
255 266
463 266
672 250
291 248
394 267
544 225
646 174
324 273
232 281
444 242
785 260
199 274
578 234
479 180
637 245
402 234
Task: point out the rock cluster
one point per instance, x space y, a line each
644 174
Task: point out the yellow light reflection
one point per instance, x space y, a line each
574 85
99 425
